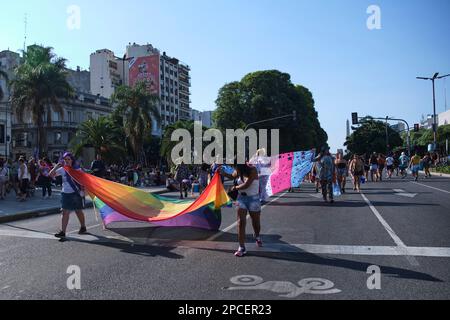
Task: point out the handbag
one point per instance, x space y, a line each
233 194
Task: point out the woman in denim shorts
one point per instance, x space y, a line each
248 201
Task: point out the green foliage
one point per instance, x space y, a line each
136 107
40 82
167 144
103 135
371 137
269 94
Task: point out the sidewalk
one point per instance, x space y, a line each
13 210
437 174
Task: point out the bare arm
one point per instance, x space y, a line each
53 173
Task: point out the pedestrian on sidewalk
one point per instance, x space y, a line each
248 201
44 179
4 178
24 179
71 196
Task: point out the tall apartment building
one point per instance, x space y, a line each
168 78
204 116
106 73
8 61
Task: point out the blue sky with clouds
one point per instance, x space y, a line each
324 45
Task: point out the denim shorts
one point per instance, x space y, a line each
249 203
415 168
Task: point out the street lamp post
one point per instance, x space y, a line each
436 76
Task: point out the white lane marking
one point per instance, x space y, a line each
316 195
26 234
267 248
421 184
403 193
322 249
248 217
400 245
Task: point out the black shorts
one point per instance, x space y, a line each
24 185
389 168
358 173
71 201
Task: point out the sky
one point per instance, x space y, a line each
324 45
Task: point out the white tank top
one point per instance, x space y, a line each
25 174
253 190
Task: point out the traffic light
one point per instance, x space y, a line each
355 118
416 127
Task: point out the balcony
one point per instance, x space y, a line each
54 124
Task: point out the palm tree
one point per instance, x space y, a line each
137 107
3 75
102 135
40 82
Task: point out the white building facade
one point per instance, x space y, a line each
8 61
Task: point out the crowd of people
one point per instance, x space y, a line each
329 170
328 174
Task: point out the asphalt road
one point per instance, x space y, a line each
312 250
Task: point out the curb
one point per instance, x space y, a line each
437 174
45 212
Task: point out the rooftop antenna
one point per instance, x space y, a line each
25 34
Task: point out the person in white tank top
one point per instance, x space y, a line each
248 201
24 179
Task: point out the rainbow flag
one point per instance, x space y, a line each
120 203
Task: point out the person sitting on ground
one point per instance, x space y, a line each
171 184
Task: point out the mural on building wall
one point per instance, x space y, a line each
146 69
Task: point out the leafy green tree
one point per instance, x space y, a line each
137 107
102 135
269 94
39 85
167 145
371 137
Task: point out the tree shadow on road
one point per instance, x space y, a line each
295 254
145 250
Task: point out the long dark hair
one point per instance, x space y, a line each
244 170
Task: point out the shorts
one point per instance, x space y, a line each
342 172
389 168
24 185
358 173
71 202
249 203
373 167
415 168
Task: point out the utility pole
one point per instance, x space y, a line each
433 79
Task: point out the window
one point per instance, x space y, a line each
69 116
89 115
58 138
2 133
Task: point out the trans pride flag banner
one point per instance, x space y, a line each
120 203
280 173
